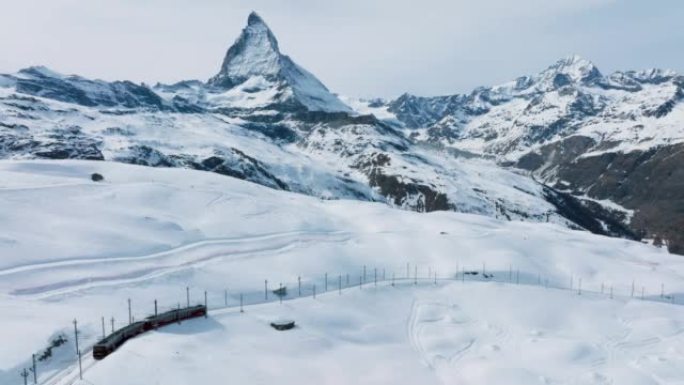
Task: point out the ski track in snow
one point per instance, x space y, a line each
182 257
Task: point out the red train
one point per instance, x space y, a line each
112 342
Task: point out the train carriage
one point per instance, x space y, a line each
109 344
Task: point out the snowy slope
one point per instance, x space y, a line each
73 248
332 156
464 334
616 138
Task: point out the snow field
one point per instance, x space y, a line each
453 333
75 249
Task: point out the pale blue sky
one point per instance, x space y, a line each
356 47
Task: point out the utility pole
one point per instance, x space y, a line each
112 324
80 367
299 285
24 373
155 307
130 315
35 374
415 274
76 334
407 271
241 309
187 296
314 291
375 276
392 279
364 273
266 290
225 297
326 283
280 293
339 284
103 328
206 305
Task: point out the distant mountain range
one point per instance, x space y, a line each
568 145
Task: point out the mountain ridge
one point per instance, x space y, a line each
594 136
256 123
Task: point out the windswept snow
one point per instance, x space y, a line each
73 248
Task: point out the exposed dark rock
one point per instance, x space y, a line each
91 93
144 156
589 215
277 132
240 165
420 197
649 182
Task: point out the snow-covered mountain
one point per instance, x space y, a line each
255 65
616 138
265 119
114 203
621 112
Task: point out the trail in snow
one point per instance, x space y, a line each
124 270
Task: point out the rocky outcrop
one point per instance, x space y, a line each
649 182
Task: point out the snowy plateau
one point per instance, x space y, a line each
513 235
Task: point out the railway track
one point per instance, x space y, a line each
70 374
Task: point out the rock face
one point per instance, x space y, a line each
264 119
613 138
651 182
254 62
42 82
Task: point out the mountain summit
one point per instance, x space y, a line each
255 61
254 53
570 70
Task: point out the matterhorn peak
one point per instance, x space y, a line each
254 18
255 56
255 52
